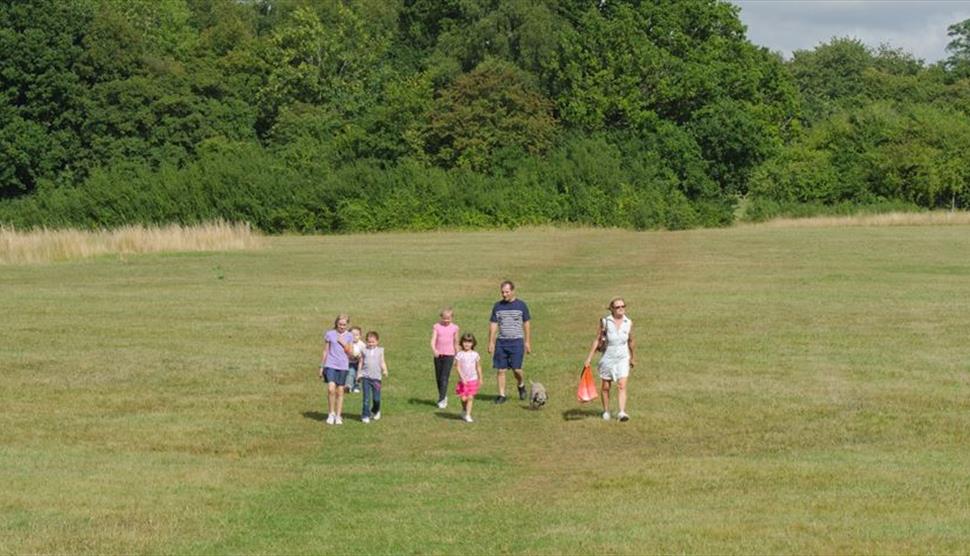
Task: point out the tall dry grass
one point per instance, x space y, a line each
43 245
935 218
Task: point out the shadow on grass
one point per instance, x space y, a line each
315 415
447 415
486 397
576 414
318 416
419 401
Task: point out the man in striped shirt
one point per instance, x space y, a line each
509 338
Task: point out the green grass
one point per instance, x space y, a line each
798 391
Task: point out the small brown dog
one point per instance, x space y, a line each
537 395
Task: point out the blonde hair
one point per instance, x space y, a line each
447 311
340 317
613 301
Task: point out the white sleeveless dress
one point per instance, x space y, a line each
615 363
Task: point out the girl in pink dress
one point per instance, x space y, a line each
469 374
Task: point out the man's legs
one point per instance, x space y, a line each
520 379
500 378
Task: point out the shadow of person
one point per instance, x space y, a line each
318 416
447 415
419 401
576 414
315 415
486 397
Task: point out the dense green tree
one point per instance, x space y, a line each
958 62
494 107
41 91
342 115
916 153
329 61
831 77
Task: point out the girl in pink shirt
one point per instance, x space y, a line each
444 345
469 374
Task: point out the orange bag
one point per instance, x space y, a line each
586 392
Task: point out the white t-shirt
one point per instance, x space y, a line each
467 365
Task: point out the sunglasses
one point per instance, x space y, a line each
619 306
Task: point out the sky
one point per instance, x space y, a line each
918 27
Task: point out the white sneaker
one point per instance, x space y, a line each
468 419
606 415
377 416
365 419
442 403
331 418
622 416
338 420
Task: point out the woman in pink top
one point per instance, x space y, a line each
444 345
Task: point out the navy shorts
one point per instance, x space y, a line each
335 375
508 354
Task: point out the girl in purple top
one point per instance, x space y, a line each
444 345
334 364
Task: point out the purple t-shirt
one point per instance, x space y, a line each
336 356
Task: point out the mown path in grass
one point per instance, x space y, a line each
799 390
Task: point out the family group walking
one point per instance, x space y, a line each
509 339
348 363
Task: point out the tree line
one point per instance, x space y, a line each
366 115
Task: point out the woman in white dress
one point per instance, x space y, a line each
616 332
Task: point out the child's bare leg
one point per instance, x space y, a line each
339 400
468 405
331 395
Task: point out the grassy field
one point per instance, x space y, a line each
800 390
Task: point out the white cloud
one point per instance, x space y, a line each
918 27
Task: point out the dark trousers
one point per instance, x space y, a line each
372 397
442 372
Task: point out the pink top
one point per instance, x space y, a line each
445 338
467 365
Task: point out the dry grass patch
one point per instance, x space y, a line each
37 246
935 218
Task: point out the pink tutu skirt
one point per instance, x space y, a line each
467 389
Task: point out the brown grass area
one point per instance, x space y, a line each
936 218
43 245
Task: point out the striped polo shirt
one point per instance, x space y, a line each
510 317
